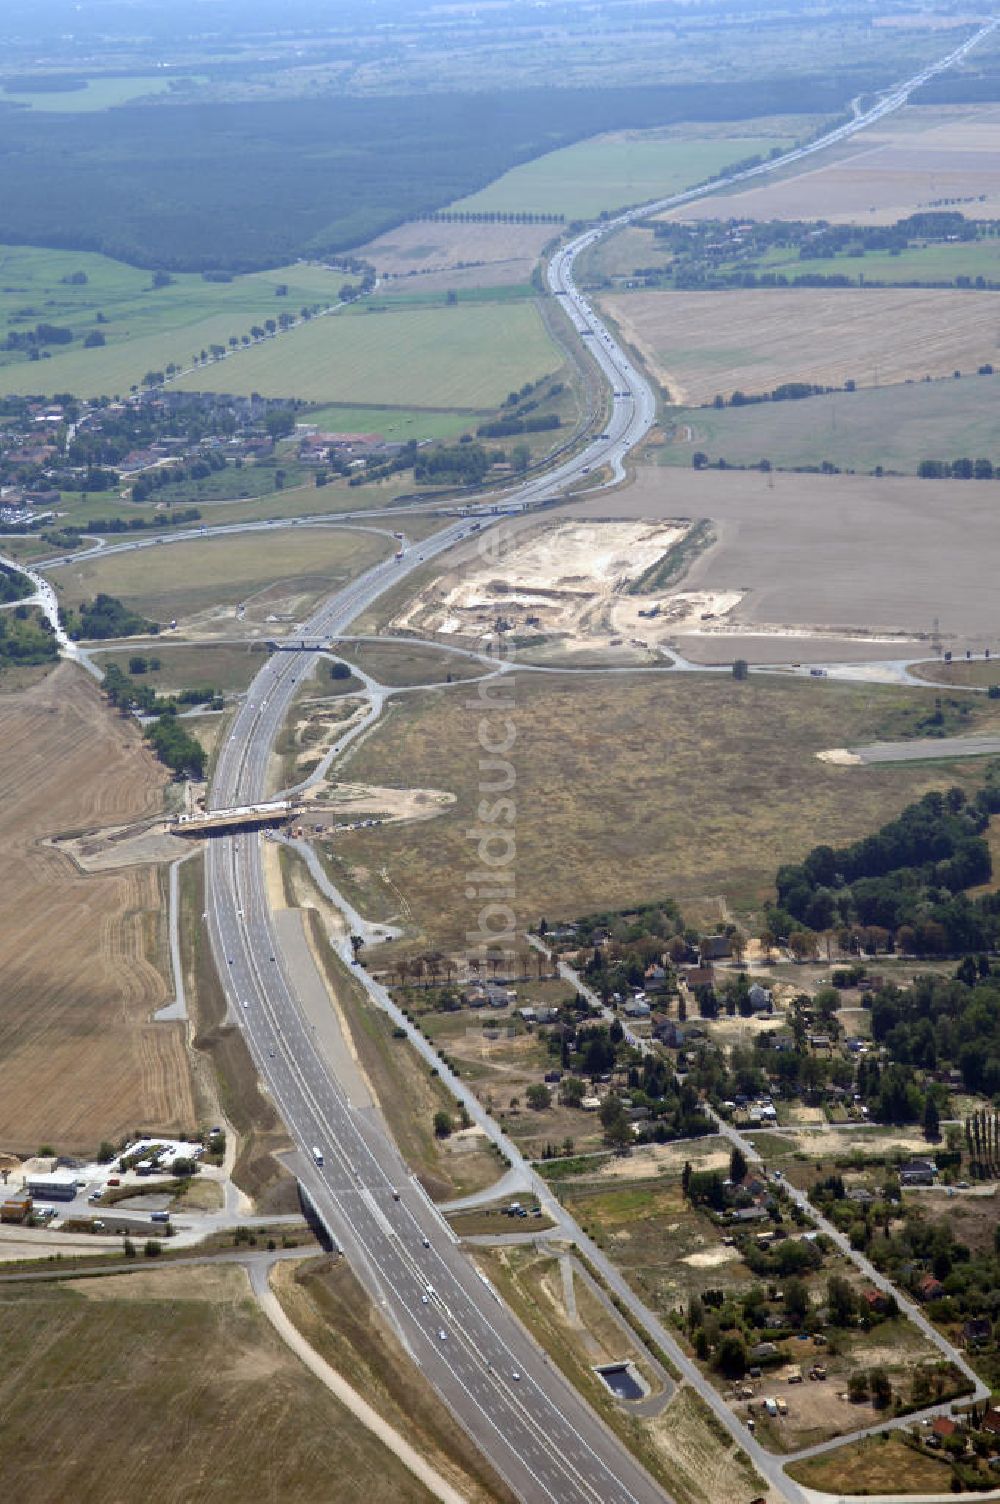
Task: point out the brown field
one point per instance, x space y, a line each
331 1310
171 1386
810 551
876 1465
922 157
275 577
430 256
698 344
627 788
82 957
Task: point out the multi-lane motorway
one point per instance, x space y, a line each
534 1428
537 1432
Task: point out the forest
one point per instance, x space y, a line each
907 879
240 186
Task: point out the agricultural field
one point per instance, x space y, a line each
786 548
172 1382
625 167
204 583
80 1058
700 344
395 424
626 788
468 357
923 157
145 327
331 1310
892 426
428 255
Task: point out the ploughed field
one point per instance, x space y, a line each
83 957
702 344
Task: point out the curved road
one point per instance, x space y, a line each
533 1426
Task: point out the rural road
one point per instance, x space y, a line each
533 1426
928 747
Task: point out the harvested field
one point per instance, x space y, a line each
332 1311
247 585
626 788
80 1059
423 253
176 1387
698 344
808 553
923 157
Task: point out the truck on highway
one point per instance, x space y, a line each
159 1216
317 1154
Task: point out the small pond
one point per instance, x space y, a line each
622 1380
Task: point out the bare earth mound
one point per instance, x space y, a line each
79 1058
699 344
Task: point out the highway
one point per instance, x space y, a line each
535 1429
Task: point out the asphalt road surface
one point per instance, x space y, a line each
534 1428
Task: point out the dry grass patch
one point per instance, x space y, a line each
194 665
83 957
276 576
703 1462
959 673
404 664
626 789
698 344
667 1251
176 1391
876 1465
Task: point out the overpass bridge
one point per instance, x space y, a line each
240 817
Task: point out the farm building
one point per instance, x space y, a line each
60 1186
